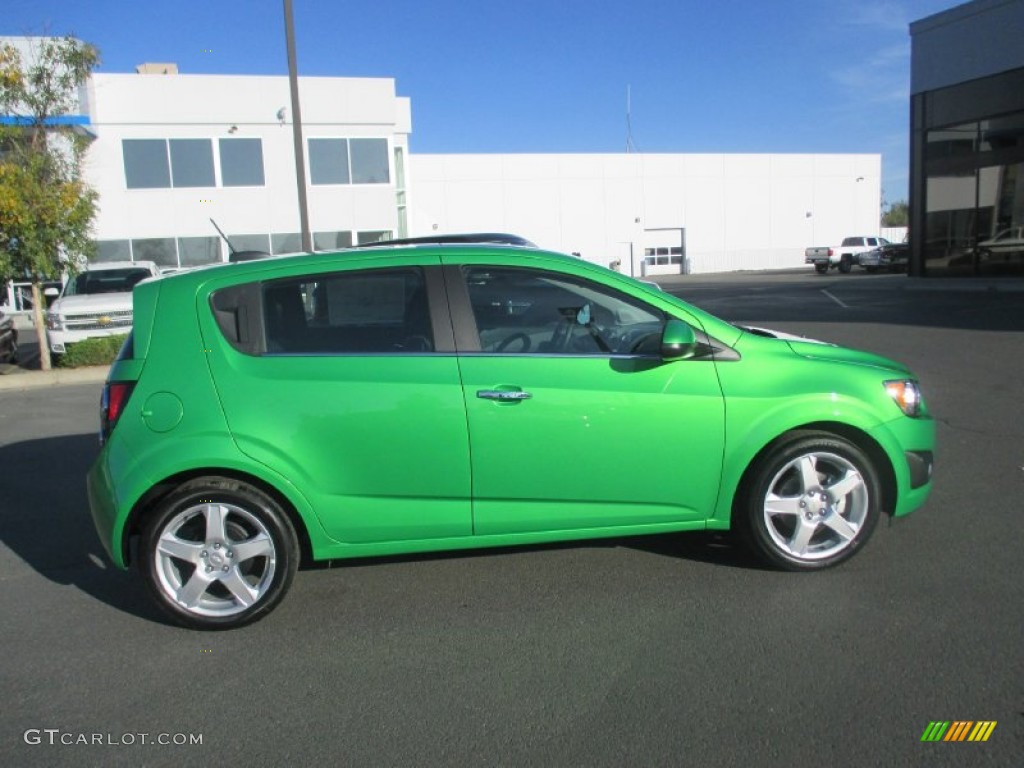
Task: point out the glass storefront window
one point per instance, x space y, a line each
290 242
162 250
974 198
250 242
112 250
194 251
331 241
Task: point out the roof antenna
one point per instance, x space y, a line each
233 253
630 146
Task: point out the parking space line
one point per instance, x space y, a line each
837 301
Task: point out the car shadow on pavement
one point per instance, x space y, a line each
711 547
45 521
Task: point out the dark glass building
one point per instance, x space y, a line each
967 141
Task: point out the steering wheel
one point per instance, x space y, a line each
510 340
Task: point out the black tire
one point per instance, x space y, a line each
808 502
218 554
821 267
846 264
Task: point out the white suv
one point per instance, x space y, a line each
96 302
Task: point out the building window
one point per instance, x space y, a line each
241 163
348 161
290 242
112 250
403 216
250 242
369 161
145 163
663 256
192 163
374 236
328 161
331 241
193 251
161 250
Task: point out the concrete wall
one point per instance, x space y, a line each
738 211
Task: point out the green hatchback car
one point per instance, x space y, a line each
418 398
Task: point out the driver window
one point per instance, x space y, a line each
525 311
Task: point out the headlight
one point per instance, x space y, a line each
54 321
906 394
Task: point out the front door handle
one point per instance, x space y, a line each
503 395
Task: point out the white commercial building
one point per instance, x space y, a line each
657 213
172 151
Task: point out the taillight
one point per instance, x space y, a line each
112 403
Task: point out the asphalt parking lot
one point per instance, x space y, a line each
674 650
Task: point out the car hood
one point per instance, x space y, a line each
813 349
818 351
93 302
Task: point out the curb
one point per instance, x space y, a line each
19 379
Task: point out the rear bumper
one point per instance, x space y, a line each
104 508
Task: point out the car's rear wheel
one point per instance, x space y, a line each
821 268
809 502
846 264
218 554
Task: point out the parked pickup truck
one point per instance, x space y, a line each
891 256
843 256
96 302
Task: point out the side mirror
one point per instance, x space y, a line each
678 341
51 293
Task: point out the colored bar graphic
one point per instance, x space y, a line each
958 730
982 730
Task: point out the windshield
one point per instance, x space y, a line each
105 281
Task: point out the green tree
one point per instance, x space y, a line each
46 208
898 215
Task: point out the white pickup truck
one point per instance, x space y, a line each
96 302
843 256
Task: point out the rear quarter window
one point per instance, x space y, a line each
382 311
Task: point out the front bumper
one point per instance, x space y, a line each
910 445
60 340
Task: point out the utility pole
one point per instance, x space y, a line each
300 156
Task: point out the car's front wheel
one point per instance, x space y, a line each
218 553
810 502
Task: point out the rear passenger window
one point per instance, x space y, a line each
368 312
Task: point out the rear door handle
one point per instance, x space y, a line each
503 394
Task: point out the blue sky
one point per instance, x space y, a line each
552 75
